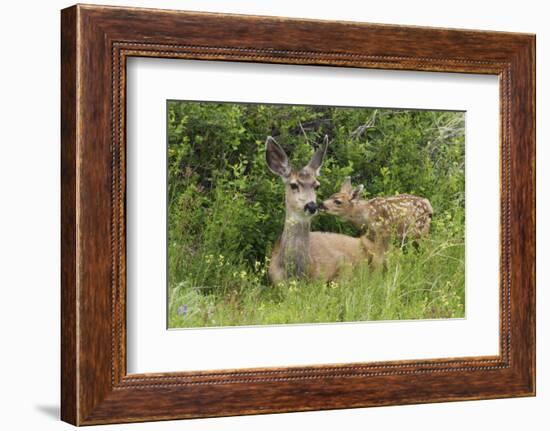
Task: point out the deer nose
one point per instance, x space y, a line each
321 206
311 207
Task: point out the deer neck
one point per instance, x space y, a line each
356 214
295 246
360 214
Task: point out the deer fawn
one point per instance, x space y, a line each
300 253
402 215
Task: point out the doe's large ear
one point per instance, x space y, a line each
276 158
346 186
317 159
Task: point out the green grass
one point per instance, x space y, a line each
210 290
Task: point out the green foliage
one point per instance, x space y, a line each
425 284
223 201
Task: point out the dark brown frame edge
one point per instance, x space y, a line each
95 43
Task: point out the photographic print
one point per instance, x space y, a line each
289 214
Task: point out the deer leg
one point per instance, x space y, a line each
381 246
422 231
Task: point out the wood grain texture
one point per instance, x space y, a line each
69 397
96 41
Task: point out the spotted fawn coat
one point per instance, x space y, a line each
381 218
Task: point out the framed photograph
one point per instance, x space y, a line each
264 214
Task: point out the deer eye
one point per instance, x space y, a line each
337 202
294 186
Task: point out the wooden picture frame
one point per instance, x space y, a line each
95 43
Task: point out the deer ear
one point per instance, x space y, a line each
317 159
346 186
357 193
276 158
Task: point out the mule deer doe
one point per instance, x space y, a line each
401 215
300 253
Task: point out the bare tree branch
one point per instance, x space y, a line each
359 131
303 131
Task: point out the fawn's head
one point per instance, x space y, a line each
300 185
341 203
